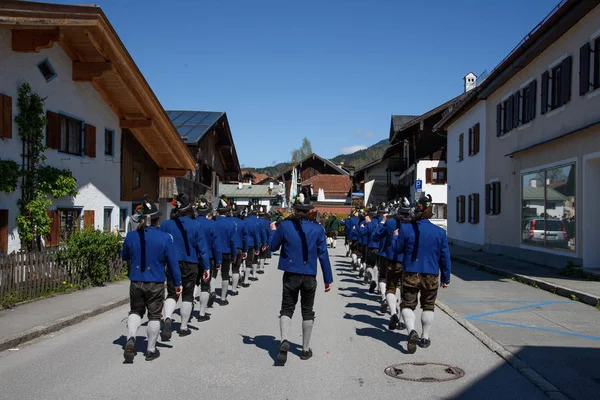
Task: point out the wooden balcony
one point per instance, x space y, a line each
171 186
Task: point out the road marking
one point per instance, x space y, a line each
493 301
535 328
477 316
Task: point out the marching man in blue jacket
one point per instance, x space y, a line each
301 241
225 229
148 250
426 256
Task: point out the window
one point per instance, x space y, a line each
435 176
460 209
107 218
556 79
461 140
46 69
597 63
439 211
109 140
474 140
556 86
492 198
122 219
255 202
528 96
588 63
71 131
548 208
474 208
70 221
137 174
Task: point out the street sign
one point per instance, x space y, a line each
418 184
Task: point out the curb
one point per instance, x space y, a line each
545 386
589 299
41 330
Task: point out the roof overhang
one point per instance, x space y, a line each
100 58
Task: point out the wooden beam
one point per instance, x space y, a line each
136 116
34 40
106 97
97 45
87 71
135 123
172 172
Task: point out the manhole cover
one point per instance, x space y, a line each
424 372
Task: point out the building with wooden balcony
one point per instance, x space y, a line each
104 122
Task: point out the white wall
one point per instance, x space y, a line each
98 178
244 201
379 174
467 176
438 192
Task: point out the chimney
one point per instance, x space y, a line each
533 183
270 185
470 81
240 185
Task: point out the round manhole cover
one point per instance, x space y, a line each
424 372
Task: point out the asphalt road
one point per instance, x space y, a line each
232 355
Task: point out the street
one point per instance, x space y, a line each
232 355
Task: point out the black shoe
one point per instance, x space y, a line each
284 347
372 287
211 299
394 322
361 273
202 318
383 308
184 332
224 302
234 292
260 272
129 352
253 278
245 285
424 343
306 354
152 355
165 334
401 326
413 339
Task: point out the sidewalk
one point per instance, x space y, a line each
546 278
41 317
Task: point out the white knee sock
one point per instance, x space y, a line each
398 298
382 288
153 331
262 263
196 290
354 259
186 311
307 327
358 262
370 273
224 290
375 276
391 300
409 319
285 325
347 248
203 302
212 285
254 267
235 281
133 323
427 322
170 305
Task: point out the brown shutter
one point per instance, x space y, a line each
445 211
515 113
461 139
3 231
584 69
90 141
476 137
567 68
428 175
488 188
5 116
470 208
470 141
499 119
53 239
544 95
53 130
88 219
475 208
462 209
532 99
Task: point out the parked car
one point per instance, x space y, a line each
552 231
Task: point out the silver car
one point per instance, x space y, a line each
552 231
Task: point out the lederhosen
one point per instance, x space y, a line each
189 273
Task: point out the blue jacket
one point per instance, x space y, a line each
253 237
209 228
147 251
363 234
265 226
381 235
373 242
239 237
225 229
190 243
302 242
425 250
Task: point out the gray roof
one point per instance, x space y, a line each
247 191
193 125
537 193
399 120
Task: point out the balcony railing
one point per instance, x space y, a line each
170 187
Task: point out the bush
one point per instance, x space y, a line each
90 252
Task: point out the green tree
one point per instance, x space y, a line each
302 152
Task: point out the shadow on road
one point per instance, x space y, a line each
356 292
365 307
271 345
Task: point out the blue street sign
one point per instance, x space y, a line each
418 184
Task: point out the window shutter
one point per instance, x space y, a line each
462 209
532 98
3 231
458 209
499 120
53 130
497 198
445 211
544 95
567 68
89 141
53 239
515 113
461 139
475 208
584 69
5 116
88 219
428 175
476 137
470 147
488 189
509 113
470 208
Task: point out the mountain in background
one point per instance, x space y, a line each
356 159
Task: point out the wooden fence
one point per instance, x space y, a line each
30 275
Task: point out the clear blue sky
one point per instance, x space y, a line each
331 70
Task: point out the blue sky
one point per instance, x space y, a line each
331 70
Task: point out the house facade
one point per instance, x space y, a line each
542 142
113 137
245 194
375 172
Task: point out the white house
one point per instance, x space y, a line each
104 123
244 194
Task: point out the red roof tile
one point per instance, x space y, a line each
332 185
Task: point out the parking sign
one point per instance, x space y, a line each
418 184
